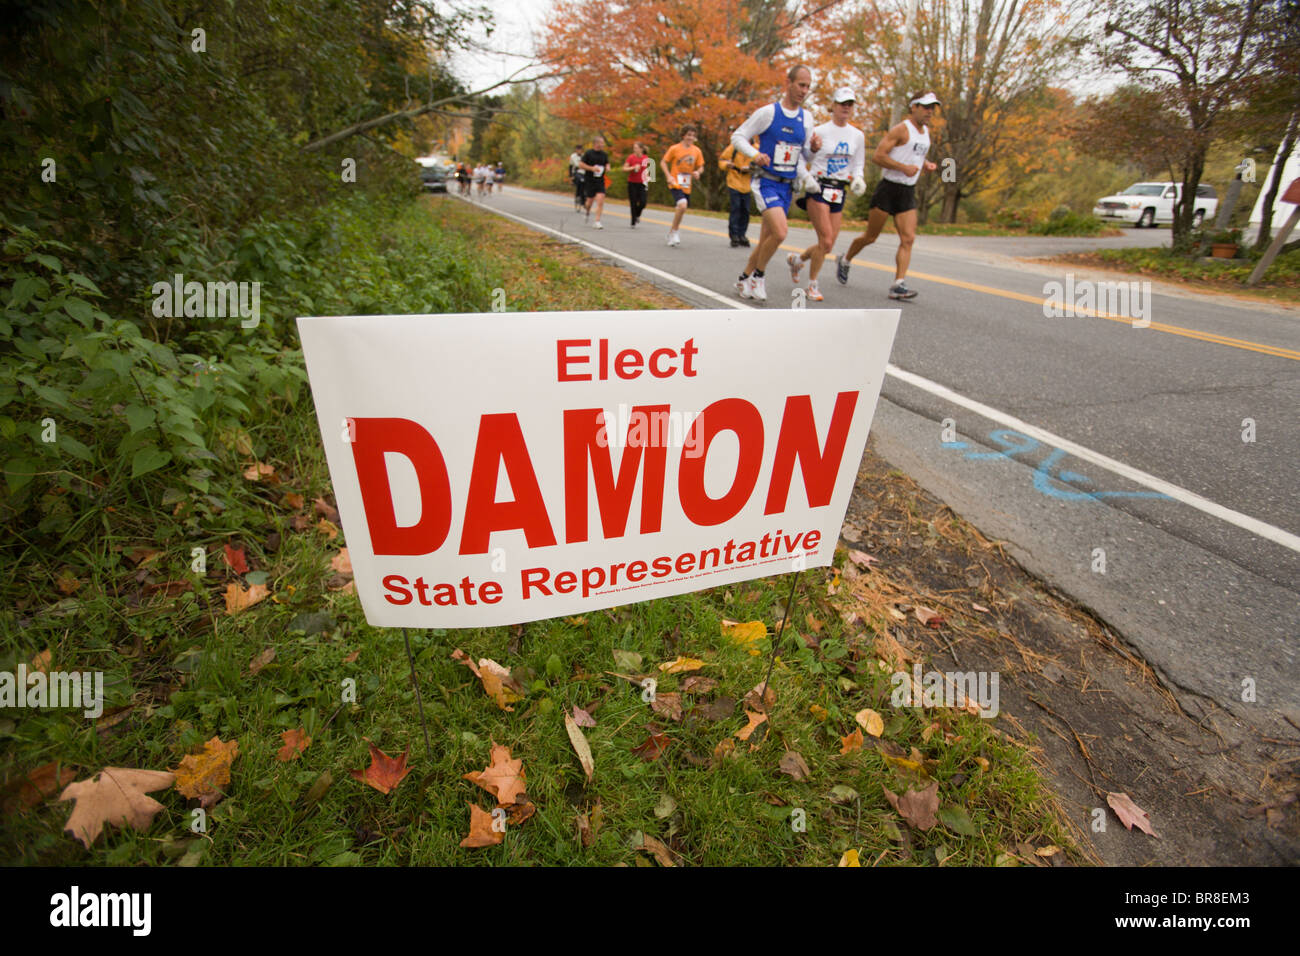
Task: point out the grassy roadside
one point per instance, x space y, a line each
182 670
1280 283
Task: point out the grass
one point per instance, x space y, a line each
1280 283
179 670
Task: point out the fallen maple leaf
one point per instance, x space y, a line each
115 795
237 599
582 718
862 559
653 747
580 746
200 776
352 657
503 777
37 785
236 560
1130 814
341 562
696 684
260 470
497 680
67 583
681 665
918 808
794 765
261 660
851 742
755 719
327 528
481 831
294 501
384 772
850 858
295 742
870 721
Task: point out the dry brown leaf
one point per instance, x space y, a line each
870 721
326 510
41 661
696 684
582 718
260 471
341 562
384 772
862 559
667 705
818 712
928 616
918 808
657 849
261 660
725 748
67 583
760 698
653 747
201 776
352 657
891 652
580 745
295 742
327 528
1130 814
851 742
794 765
583 824
237 599
36 786
115 795
293 501
481 832
503 777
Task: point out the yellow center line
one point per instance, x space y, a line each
1212 337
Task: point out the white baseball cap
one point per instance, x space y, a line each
844 95
925 99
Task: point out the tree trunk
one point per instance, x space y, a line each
1275 186
951 196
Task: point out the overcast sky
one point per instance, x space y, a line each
518 26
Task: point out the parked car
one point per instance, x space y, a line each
434 178
1149 204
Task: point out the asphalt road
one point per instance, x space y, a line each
1072 434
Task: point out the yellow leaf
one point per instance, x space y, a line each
818 712
200 775
580 745
744 635
237 599
682 665
850 858
870 721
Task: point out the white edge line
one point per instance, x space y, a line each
1264 530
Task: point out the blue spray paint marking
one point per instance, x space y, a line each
1015 443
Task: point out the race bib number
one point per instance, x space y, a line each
599 170
684 180
785 156
833 194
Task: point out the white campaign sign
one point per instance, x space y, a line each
504 467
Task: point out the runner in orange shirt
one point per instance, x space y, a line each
683 164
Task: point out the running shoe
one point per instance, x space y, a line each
899 290
758 288
597 225
796 266
744 241
815 293
842 271
745 287
674 239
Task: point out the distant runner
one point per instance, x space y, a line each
594 162
635 167
837 167
578 179
683 165
736 166
785 139
901 153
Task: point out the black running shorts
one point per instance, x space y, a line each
893 197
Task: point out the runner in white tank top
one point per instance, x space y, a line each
901 154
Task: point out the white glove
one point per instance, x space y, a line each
808 184
858 186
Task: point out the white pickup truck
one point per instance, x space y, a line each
1148 204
